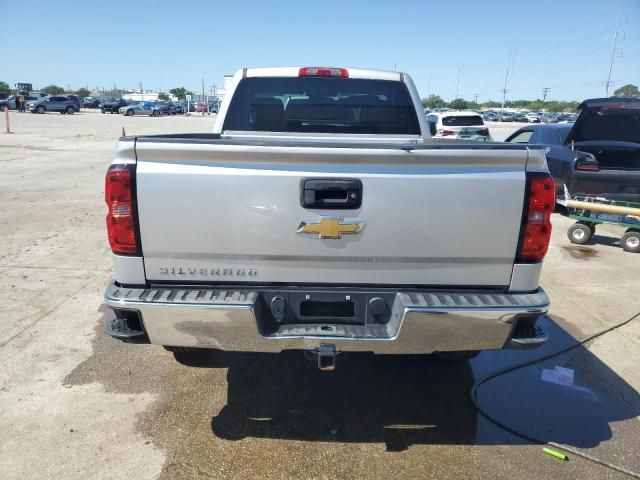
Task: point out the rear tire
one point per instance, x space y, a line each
156 113
130 113
630 241
70 110
579 233
457 356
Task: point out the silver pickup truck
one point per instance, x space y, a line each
320 215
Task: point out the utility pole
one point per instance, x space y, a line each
141 91
613 53
203 89
506 77
544 95
475 98
460 69
429 87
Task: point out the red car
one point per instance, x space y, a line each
201 107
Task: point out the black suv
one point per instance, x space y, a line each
113 105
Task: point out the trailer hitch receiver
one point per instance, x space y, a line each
327 354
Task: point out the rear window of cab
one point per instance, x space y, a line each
462 121
322 105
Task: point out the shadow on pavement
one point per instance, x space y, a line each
407 400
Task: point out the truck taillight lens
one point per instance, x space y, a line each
118 193
536 228
323 72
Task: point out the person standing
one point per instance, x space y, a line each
20 103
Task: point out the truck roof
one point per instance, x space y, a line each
360 73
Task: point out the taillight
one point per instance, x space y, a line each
118 194
536 227
323 72
446 133
587 165
484 133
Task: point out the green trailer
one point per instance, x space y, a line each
586 220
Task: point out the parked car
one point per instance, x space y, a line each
505 117
597 155
4 95
165 108
491 117
11 101
76 99
53 103
179 108
142 108
533 117
565 117
549 118
458 125
113 105
201 107
301 197
520 117
91 102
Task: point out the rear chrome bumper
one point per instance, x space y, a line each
421 322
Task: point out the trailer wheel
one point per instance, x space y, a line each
579 233
630 241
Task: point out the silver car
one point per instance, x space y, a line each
53 103
142 108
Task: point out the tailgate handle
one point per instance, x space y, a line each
331 193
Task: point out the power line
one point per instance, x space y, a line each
574 41
582 68
565 58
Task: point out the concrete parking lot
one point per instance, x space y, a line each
77 404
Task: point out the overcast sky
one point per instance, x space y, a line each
561 44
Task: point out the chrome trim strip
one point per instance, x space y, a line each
421 322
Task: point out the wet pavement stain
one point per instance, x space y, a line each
224 415
580 252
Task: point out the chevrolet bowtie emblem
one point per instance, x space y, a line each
331 227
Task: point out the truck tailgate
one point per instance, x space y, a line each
231 212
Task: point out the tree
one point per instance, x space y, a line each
459 104
53 90
83 93
627 90
434 101
179 92
163 96
4 87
